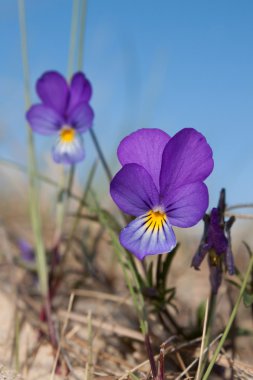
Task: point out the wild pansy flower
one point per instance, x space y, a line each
216 242
64 111
26 250
161 183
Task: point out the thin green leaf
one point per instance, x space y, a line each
171 296
158 269
132 376
170 290
150 275
240 331
233 282
248 249
201 313
33 190
247 299
166 266
230 321
131 278
113 224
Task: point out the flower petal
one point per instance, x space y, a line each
133 190
229 261
143 239
52 89
68 152
187 158
144 147
44 119
80 90
186 205
199 256
27 251
81 117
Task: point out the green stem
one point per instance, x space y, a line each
134 287
65 186
212 308
173 322
32 168
41 260
80 66
230 321
81 34
100 154
73 39
150 356
71 180
132 281
60 208
73 34
79 210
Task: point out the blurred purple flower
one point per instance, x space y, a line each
161 183
216 242
26 250
65 111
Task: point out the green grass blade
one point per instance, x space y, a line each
127 268
73 37
67 176
81 34
80 207
230 321
33 191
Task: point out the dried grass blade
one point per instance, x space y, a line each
89 365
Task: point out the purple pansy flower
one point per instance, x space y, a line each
216 242
65 111
26 250
161 183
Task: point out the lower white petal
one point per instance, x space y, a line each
68 152
147 235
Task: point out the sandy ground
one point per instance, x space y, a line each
117 345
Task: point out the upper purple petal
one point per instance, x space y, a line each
81 117
52 89
187 158
144 147
80 90
186 205
133 190
43 119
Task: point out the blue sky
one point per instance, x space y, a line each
164 64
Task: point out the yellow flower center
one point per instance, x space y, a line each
155 219
215 260
67 135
